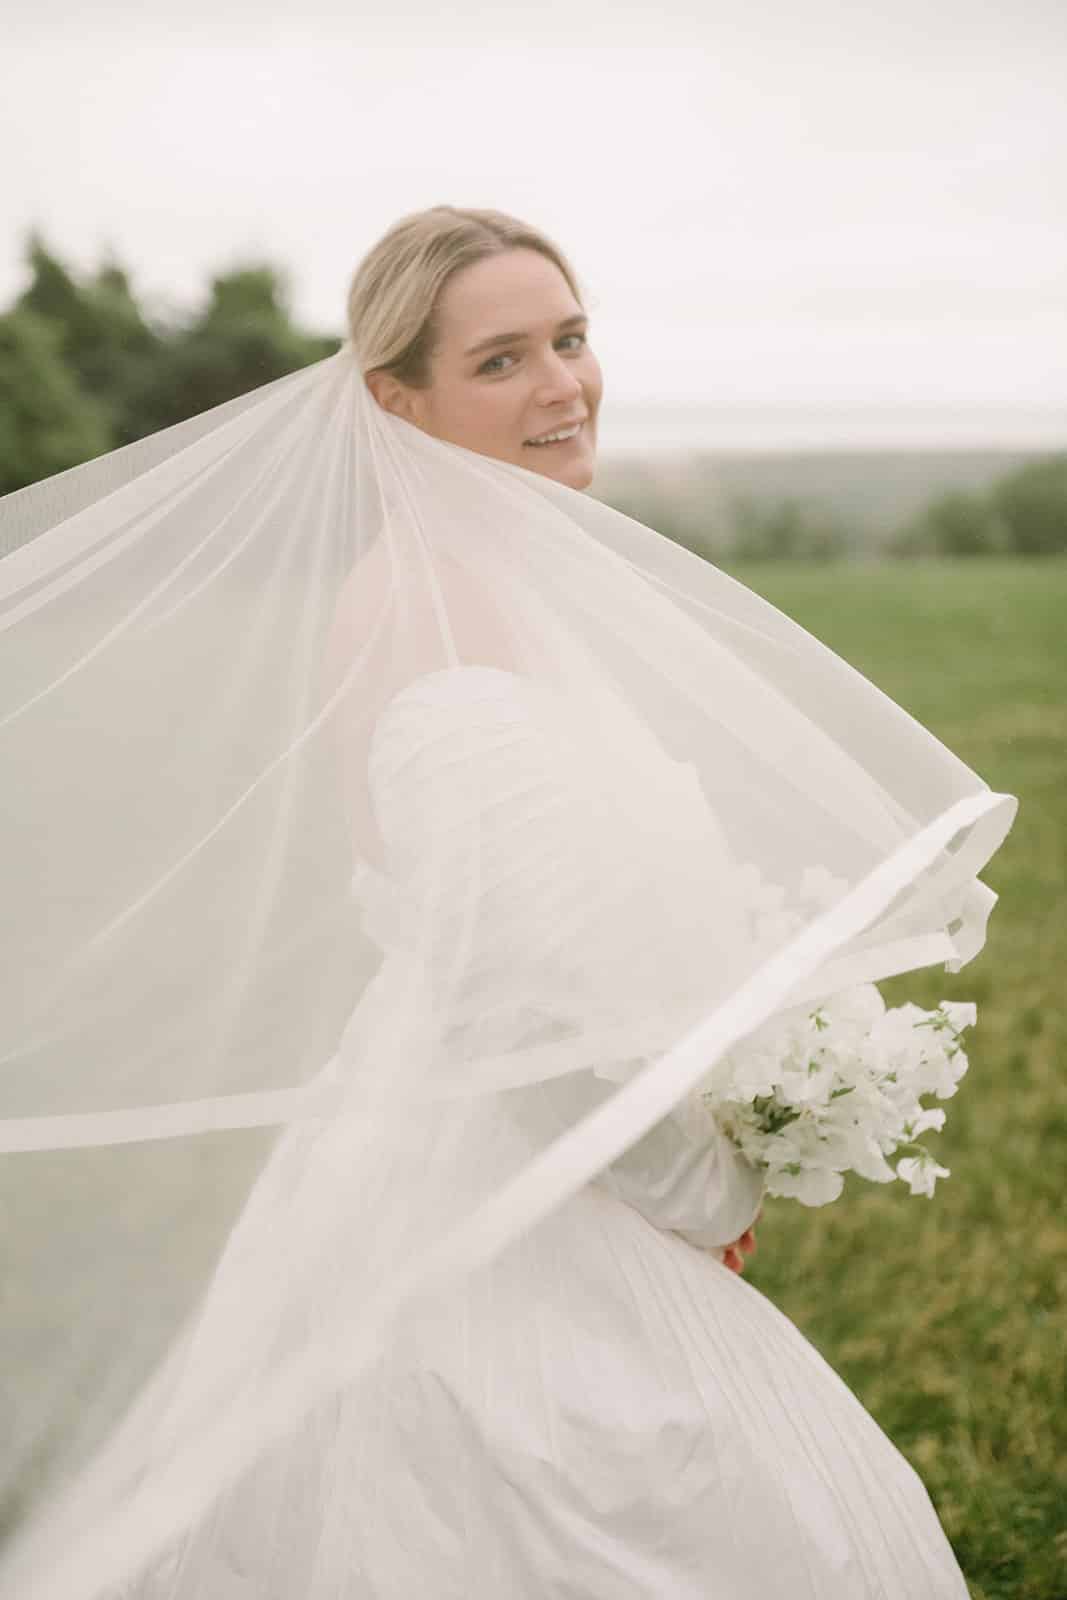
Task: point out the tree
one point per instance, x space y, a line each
243 338
84 370
47 420
1032 501
787 531
955 524
104 338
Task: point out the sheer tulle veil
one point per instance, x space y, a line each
267 1088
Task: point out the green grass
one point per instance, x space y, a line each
948 1316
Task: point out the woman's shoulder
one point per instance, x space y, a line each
476 681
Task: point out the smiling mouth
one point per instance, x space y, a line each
568 435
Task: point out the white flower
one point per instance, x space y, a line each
920 1173
870 1163
810 1186
861 1007
820 1090
961 1013
931 1118
939 1073
806 1080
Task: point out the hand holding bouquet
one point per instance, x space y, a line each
818 1091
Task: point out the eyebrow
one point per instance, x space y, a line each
513 338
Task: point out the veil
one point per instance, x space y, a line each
293 1034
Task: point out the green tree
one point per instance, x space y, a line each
104 337
1032 502
243 338
85 365
786 531
955 524
47 420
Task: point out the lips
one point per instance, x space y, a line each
561 427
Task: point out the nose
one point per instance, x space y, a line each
560 381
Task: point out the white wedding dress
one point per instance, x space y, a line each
604 1412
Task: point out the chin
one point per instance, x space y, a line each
582 478
581 474
576 474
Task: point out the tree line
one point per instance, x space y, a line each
84 368
1023 513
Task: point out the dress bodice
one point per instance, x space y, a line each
596 862
596 869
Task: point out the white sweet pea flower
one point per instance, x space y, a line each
862 1007
839 1148
870 1163
927 1118
961 1013
810 1186
939 1073
820 1090
756 1081
920 1173
893 1035
807 1081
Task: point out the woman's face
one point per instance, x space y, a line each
494 394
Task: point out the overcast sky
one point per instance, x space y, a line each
786 204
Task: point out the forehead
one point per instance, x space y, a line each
519 289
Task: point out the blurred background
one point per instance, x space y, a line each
824 250
825 254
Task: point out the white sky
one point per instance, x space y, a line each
785 204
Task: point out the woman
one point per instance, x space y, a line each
528 392
590 1401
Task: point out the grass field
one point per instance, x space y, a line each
948 1316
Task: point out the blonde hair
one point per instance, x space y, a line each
393 297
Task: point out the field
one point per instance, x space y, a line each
947 1315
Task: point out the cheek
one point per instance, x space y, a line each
481 402
595 382
470 414
496 412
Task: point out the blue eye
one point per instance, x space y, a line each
486 365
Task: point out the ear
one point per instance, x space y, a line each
392 395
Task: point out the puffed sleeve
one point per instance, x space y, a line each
684 1175
579 847
691 1180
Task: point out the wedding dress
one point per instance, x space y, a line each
605 1411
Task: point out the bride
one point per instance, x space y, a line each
563 748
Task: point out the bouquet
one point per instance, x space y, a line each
819 1091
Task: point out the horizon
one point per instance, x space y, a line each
635 427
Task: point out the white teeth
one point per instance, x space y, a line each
548 438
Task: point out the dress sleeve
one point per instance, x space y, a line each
608 838
692 1181
684 1175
